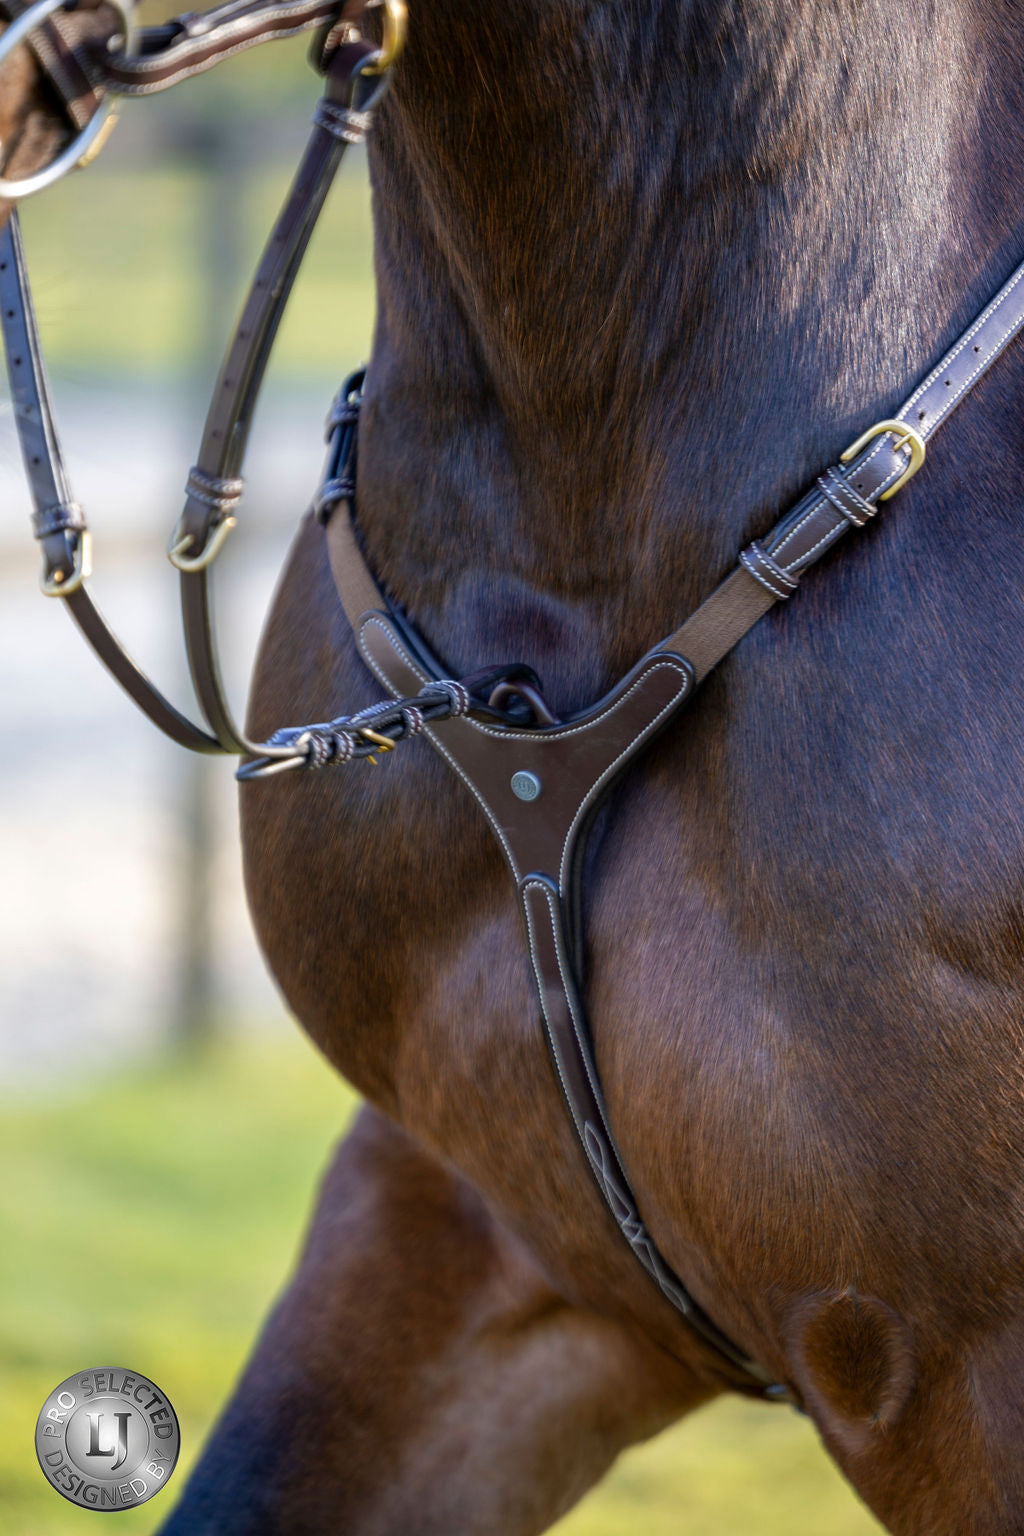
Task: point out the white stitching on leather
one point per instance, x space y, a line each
514 735
835 489
609 771
199 66
538 885
929 425
748 567
947 362
641 735
435 743
539 975
827 538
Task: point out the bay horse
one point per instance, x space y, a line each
643 270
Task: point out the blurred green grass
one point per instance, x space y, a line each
150 1220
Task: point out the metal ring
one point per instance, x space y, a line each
396 24
90 136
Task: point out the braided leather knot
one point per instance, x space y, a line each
318 750
335 742
343 747
344 123
457 694
344 412
338 488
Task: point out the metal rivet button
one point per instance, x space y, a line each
525 786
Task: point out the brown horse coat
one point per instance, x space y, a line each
644 269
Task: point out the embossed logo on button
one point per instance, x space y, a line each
525 786
107 1439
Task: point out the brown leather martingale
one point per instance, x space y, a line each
537 789
566 768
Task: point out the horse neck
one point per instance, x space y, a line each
643 275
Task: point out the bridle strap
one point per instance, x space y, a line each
844 498
60 523
56 50
193 43
214 485
82 72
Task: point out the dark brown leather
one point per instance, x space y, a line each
845 496
572 762
195 42
214 485
568 768
59 521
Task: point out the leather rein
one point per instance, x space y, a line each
536 779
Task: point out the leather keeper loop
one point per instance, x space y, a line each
341 488
344 413
221 496
344 123
836 489
767 571
66 518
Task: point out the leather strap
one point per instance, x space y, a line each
56 48
83 72
538 789
195 42
845 497
59 521
214 485
561 771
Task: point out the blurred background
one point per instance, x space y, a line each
162 1121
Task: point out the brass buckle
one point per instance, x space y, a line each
906 437
207 555
59 585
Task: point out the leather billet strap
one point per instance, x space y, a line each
190 44
846 496
82 73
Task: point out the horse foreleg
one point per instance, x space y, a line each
419 1374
